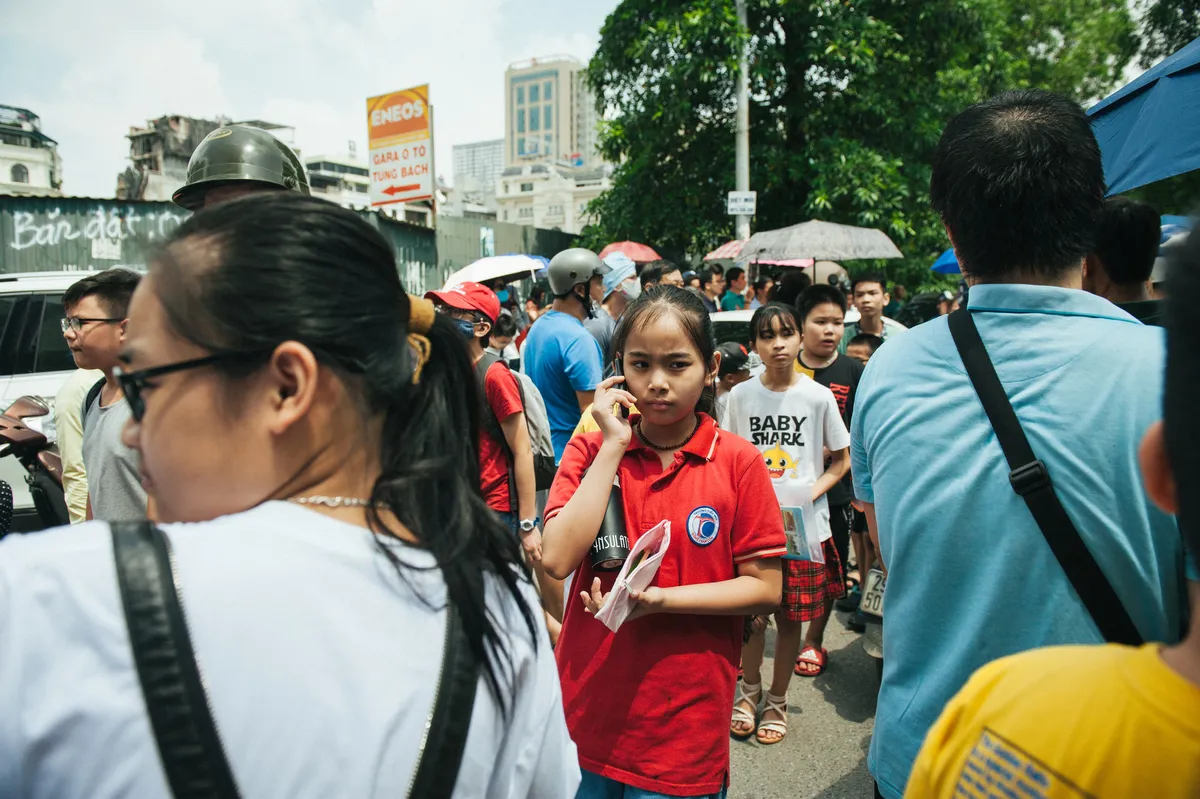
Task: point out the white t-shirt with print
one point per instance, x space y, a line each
320 664
792 429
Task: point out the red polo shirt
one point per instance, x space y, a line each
649 705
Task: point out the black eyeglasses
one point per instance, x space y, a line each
133 383
76 323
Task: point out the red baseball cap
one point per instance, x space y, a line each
469 296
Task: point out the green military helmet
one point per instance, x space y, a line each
236 153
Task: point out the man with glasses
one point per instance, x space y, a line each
94 327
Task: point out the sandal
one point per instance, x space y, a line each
816 662
779 725
743 715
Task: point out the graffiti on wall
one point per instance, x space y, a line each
104 229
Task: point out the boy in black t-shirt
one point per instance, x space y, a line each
822 315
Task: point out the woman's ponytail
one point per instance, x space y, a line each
430 481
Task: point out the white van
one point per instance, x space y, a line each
34 360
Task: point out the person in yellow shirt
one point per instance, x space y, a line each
587 423
68 422
1109 720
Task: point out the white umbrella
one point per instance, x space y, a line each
498 267
820 240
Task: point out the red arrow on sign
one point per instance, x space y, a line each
394 190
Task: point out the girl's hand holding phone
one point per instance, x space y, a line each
649 601
616 428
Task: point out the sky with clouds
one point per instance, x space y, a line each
90 70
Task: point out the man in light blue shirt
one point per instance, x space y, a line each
1018 183
561 357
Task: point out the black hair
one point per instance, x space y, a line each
707 276
873 341
505 327
762 282
1127 240
248 275
1018 181
818 295
869 277
734 273
113 288
760 323
788 290
1182 393
651 274
689 310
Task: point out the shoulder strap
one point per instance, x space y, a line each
188 744
184 730
93 392
450 718
1031 481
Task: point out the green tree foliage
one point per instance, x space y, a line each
848 100
1167 25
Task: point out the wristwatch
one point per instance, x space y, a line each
527 526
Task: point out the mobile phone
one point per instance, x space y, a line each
620 370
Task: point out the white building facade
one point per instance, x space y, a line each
554 197
477 168
29 161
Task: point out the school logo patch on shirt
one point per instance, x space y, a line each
703 524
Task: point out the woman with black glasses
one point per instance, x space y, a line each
331 586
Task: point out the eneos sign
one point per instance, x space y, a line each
399 133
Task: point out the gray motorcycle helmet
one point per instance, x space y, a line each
240 154
572 267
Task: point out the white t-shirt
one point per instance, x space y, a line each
320 664
792 429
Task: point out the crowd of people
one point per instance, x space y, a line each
373 503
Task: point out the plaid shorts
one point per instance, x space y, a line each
807 586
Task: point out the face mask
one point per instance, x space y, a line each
465 328
502 295
632 289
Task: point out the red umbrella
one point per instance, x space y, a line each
638 253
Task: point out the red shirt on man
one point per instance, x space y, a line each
503 396
649 705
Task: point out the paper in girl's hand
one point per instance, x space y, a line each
637 573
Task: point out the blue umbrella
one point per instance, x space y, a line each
946 264
1147 130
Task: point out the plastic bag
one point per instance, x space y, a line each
636 574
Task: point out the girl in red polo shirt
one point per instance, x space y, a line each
648 705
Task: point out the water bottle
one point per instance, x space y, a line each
611 547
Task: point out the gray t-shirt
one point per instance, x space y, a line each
602 326
114 488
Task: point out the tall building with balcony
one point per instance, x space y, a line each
29 162
549 113
159 155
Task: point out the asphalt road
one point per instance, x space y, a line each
830 719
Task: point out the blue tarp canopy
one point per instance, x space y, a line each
1148 130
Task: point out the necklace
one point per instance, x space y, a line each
680 445
332 502
827 363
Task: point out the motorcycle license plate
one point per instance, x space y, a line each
872 596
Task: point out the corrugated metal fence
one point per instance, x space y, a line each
46 234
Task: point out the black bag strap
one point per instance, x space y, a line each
450 718
180 715
93 392
192 757
1031 481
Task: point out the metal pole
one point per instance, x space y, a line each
743 120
